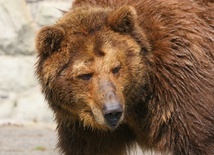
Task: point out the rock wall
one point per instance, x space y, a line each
20 97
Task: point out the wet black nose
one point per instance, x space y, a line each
112 113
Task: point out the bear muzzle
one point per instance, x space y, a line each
112 114
112 111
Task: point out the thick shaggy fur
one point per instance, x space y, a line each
157 56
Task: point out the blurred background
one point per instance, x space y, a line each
20 97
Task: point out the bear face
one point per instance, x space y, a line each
86 61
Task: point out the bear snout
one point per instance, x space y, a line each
112 113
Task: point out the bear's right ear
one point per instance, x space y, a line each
48 39
123 19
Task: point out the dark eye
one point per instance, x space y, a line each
116 70
85 76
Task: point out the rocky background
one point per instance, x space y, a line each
20 97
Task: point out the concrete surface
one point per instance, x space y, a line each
27 140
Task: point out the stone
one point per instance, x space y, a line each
7 101
17 73
31 106
17 30
49 12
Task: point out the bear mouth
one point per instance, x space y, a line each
112 120
113 126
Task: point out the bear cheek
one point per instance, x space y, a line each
91 116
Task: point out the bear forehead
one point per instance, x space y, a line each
99 46
84 21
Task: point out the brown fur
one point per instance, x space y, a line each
157 57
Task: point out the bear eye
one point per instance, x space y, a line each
85 77
116 70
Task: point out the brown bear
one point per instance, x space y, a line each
118 73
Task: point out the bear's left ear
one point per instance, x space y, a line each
123 19
48 39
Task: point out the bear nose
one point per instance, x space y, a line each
112 113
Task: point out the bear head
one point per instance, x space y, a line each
91 64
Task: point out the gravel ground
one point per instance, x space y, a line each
27 140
